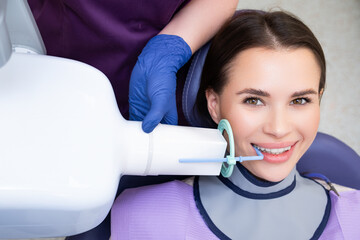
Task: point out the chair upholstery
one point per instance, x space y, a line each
332 158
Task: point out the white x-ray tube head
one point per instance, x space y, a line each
65 145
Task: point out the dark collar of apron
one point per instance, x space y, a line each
244 207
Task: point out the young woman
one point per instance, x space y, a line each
265 74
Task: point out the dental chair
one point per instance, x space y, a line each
65 146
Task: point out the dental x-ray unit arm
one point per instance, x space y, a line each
5 43
22 34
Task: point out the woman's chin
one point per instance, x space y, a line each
268 173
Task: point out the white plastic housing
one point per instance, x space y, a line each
5 43
18 30
23 31
64 146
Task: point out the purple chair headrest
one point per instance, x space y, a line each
327 155
191 87
333 158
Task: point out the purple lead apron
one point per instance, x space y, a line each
169 211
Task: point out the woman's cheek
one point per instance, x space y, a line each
309 120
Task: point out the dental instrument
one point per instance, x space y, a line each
230 160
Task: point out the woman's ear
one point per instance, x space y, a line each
213 104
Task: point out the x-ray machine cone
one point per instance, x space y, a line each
64 146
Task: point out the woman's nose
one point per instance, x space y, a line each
278 123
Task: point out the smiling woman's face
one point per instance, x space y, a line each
272 101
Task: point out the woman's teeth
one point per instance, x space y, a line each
275 151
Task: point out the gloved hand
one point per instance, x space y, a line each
153 81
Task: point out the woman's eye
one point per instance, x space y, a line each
300 101
253 101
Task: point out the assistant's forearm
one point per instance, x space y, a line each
199 20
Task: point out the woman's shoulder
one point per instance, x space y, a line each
155 210
155 191
173 193
343 197
344 216
346 198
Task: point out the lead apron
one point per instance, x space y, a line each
244 207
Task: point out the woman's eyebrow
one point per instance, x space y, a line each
266 94
304 92
254 92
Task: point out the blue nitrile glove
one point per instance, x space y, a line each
153 81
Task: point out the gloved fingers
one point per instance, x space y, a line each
171 117
138 102
163 109
150 121
153 81
138 106
137 113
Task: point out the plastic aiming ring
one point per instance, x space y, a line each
230 160
228 166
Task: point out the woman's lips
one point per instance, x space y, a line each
276 152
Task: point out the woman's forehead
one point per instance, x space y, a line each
274 66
